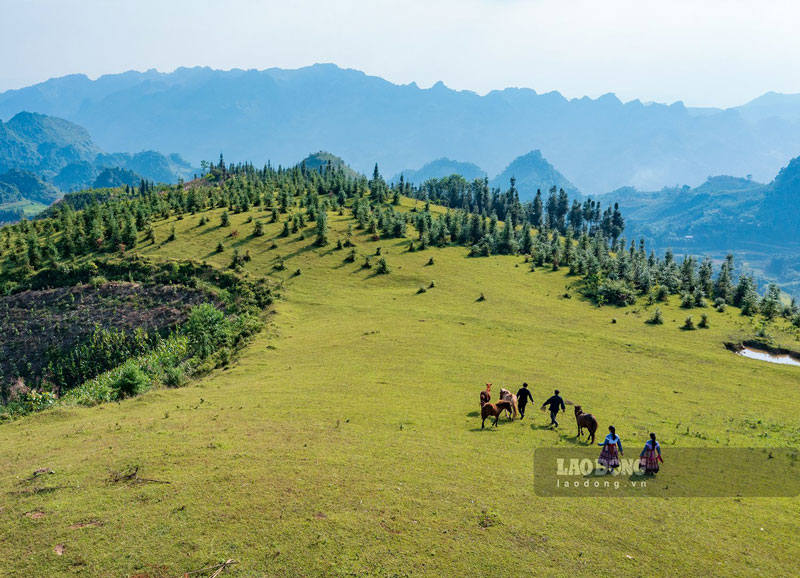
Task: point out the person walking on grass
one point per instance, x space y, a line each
554 403
612 450
650 456
523 397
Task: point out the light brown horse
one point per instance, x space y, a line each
506 395
486 394
494 410
585 420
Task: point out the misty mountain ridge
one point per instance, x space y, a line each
440 168
279 115
63 154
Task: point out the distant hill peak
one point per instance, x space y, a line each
323 158
440 168
533 172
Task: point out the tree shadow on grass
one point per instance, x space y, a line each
310 247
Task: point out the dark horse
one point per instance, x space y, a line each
494 410
486 394
585 420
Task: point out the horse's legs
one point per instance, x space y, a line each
497 417
483 422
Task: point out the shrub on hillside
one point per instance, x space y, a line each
688 324
174 376
615 292
131 381
207 330
657 318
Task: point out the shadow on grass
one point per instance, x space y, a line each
541 427
573 439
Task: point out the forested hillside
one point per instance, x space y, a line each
304 332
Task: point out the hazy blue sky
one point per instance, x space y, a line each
704 52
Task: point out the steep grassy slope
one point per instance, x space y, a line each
346 441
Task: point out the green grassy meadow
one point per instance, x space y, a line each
346 441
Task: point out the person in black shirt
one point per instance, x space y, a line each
554 403
523 397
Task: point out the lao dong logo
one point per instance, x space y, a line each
585 467
685 472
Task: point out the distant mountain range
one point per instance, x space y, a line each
280 115
531 171
759 223
43 156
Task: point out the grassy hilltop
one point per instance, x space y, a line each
346 440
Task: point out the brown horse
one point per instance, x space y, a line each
494 410
486 394
585 420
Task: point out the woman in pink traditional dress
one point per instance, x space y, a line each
650 456
612 449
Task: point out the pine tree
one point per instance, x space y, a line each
537 211
129 233
770 306
746 296
723 287
382 268
526 245
705 276
322 229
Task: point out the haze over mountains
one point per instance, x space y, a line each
281 115
41 157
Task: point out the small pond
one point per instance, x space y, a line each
767 356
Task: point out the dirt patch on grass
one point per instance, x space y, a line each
87 524
35 515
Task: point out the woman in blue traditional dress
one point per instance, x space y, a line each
650 456
612 449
